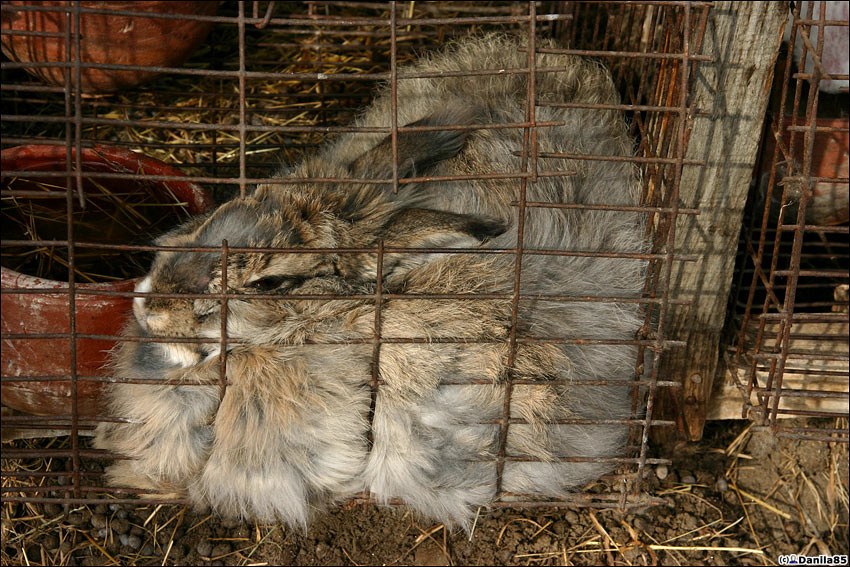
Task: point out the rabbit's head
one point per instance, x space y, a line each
301 216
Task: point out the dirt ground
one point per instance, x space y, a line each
736 498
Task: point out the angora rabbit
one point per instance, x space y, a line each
293 431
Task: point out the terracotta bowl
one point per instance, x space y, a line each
46 362
830 201
106 39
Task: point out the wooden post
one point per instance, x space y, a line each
731 93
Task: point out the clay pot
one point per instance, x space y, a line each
828 204
110 39
48 360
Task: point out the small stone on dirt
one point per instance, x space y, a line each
98 521
429 553
204 548
132 541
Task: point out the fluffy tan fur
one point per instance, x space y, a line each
291 433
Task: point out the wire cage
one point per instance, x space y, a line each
789 315
271 84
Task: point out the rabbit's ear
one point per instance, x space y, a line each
426 228
417 151
183 234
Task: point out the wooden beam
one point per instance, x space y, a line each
818 361
731 93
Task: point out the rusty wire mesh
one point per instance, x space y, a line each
789 354
276 81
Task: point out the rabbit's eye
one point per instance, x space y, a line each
268 283
273 283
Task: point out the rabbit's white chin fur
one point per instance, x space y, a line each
302 422
179 355
144 286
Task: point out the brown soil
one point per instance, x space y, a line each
737 497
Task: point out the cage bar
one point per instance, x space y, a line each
788 352
278 85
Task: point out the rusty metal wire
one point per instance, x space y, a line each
789 354
230 149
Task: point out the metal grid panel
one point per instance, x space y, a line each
790 352
233 136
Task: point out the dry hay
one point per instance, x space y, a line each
747 498
730 529
116 212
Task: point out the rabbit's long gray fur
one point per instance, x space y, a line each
292 432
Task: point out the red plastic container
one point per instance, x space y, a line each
48 360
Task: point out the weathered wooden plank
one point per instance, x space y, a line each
731 92
818 361
726 400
